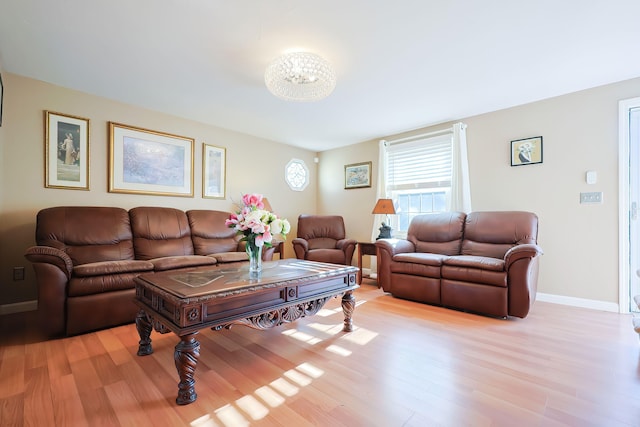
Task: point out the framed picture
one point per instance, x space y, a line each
357 175
143 161
214 161
1 96
66 146
526 151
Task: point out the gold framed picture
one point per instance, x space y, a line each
143 161
357 175
213 172
66 144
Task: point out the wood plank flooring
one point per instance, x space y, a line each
405 364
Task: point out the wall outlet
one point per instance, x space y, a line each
594 197
18 273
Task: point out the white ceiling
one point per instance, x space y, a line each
401 64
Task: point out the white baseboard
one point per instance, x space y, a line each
19 307
579 302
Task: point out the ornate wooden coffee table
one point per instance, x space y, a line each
188 301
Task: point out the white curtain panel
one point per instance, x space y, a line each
460 200
381 193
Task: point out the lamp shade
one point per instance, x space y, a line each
384 206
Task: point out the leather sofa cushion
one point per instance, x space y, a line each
437 233
86 233
79 286
492 234
420 258
111 267
480 262
333 256
209 233
175 262
478 276
321 226
160 232
224 257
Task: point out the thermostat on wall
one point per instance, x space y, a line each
592 177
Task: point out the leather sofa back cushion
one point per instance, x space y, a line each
87 234
439 233
210 235
160 232
329 227
492 234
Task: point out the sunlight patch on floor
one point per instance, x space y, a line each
340 351
301 336
256 406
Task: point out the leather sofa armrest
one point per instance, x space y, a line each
348 246
343 243
395 246
53 269
386 249
301 247
528 250
49 255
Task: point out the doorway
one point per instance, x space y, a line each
629 208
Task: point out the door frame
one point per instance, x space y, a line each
624 206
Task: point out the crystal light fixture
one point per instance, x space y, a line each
300 76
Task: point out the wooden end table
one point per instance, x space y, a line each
364 248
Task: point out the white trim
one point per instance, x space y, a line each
420 136
623 202
578 302
18 307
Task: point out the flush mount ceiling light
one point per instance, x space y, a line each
300 76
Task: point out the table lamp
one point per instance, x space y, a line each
384 207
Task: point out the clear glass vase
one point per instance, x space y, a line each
255 259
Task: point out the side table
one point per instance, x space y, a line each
364 248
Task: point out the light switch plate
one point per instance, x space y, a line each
593 197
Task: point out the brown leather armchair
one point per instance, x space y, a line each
323 238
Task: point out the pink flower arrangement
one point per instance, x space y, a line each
257 225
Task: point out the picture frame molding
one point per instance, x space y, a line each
54 141
534 154
222 176
357 168
157 141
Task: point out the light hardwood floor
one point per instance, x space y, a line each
405 364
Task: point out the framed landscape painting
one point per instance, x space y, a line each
357 175
213 172
66 144
143 161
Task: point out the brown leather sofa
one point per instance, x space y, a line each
481 262
323 238
87 257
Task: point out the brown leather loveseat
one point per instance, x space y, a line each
87 257
481 262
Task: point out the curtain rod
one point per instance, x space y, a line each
422 135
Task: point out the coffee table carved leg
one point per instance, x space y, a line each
143 325
348 306
186 356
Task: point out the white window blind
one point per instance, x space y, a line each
421 163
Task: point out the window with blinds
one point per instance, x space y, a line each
419 177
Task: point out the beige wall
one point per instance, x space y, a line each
253 165
580 132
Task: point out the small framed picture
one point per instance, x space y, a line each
66 146
213 172
143 161
526 151
357 175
